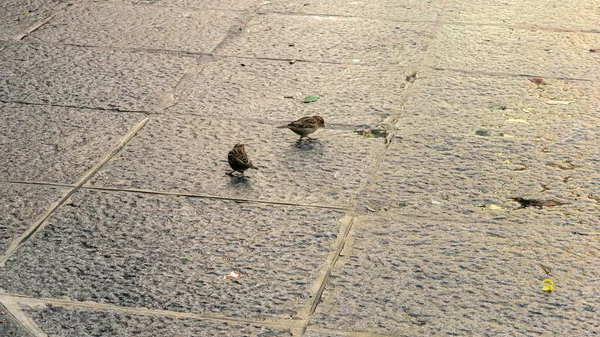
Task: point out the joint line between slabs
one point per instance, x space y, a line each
42 221
142 311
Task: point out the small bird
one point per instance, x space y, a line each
305 125
238 160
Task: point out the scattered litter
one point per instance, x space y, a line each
528 110
232 275
288 96
497 107
546 270
291 44
537 203
492 206
292 61
268 28
552 102
547 285
593 50
356 60
311 98
538 81
436 202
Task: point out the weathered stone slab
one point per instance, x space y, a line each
45 143
189 155
274 90
57 321
402 276
240 5
172 253
386 10
515 51
331 39
147 27
17 17
88 77
9 326
577 15
20 206
451 103
477 177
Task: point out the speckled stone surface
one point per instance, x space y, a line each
388 10
452 103
57 321
20 206
173 253
187 154
148 27
404 277
331 39
45 143
445 175
18 17
574 15
239 5
274 90
516 51
10 327
87 77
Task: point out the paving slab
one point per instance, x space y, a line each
55 144
452 103
57 321
10 327
411 277
383 10
239 5
516 51
575 15
274 90
88 77
148 27
172 253
189 155
17 17
20 206
331 39
442 175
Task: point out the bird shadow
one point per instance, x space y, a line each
308 144
239 180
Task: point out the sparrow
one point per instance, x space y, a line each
305 125
238 160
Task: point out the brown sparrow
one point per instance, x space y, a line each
238 160
305 125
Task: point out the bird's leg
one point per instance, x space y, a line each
230 173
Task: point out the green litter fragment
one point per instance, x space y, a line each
310 99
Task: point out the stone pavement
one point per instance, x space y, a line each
116 217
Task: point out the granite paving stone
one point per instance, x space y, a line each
516 51
88 77
56 144
450 103
189 155
172 253
10 327
20 206
57 321
462 175
148 27
240 5
386 10
274 90
404 277
17 17
331 39
548 14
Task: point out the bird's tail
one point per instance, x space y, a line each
283 126
252 166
